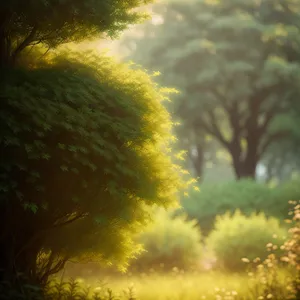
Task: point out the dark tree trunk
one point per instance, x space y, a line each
19 246
242 170
198 162
245 167
8 53
18 260
247 170
18 268
4 54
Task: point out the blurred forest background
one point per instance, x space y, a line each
236 105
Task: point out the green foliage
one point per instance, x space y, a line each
245 195
237 237
62 22
87 144
265 278
236 66
61 290
282 158
30 292
169 242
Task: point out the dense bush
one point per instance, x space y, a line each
85 154
245 195
169 242
236 237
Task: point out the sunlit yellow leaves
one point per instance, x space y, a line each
181 155
191 181
155 74
185 172
173 138
196 188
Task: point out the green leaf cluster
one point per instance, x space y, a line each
86 145
246 195
63 21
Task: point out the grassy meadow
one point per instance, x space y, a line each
213 277
178 285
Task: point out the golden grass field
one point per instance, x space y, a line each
177 285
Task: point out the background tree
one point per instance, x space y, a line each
236 65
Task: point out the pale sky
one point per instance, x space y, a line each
112 46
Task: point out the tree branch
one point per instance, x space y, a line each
71 220
213 129
52 267
257 100
272 138
232 110
26 42
268 117
43 231
277 108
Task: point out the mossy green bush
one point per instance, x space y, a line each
237 236
169 242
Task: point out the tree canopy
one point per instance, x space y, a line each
86 147
53 22
236 64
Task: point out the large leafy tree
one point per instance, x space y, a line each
84 154
236 64
52 22
84 141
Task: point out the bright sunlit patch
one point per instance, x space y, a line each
157 20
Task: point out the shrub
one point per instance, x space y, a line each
169 242
246 195
268 279
236 237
